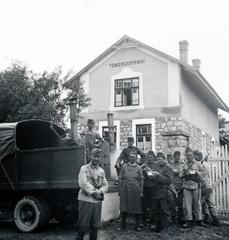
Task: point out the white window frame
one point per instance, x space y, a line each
126 73
144 121
117 124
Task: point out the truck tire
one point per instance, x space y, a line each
30 214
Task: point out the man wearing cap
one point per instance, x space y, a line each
148 167
191 173
162 178
93 185
92 138
207 199
125 154
177 182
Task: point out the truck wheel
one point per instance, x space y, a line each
30 214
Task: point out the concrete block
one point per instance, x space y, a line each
110 206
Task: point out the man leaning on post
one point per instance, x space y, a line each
93 185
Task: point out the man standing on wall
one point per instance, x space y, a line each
93 185
92 138
125 154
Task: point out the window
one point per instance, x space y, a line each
144 137
126 92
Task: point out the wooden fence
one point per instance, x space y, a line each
219 172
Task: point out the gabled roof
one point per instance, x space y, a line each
127 41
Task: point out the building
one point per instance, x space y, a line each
164 103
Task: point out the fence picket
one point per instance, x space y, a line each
223 186
219 174
227 186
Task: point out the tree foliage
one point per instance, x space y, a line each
28 95
83 100
221 123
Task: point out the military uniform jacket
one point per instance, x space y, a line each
125 154
191 182
162 181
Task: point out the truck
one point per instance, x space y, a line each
39 169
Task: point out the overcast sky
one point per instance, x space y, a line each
71 33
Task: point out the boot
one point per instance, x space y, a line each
201 224
123 221
79 235
93 234
137 223
187 224
206 218
216 222
155 228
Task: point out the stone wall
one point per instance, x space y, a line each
171 134
175 133
125 132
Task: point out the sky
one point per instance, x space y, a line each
46 33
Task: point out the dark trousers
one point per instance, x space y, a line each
160 213
171 202
179 206
147 202
92 234
89 219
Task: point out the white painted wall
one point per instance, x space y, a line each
197 111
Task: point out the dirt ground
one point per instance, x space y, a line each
110 232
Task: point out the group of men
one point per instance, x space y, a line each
175 190
171 190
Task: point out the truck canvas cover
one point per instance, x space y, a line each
28 134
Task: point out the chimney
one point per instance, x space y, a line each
184 51
110 120
196 64
73 116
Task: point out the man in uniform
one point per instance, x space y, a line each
93 185
177 182
207 199
162 179
148 167
92 138
191 173
125 154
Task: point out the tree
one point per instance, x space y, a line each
14 92
27 95
83 99
221 123
46 100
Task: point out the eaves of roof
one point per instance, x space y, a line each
125 38
205 85
113 48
